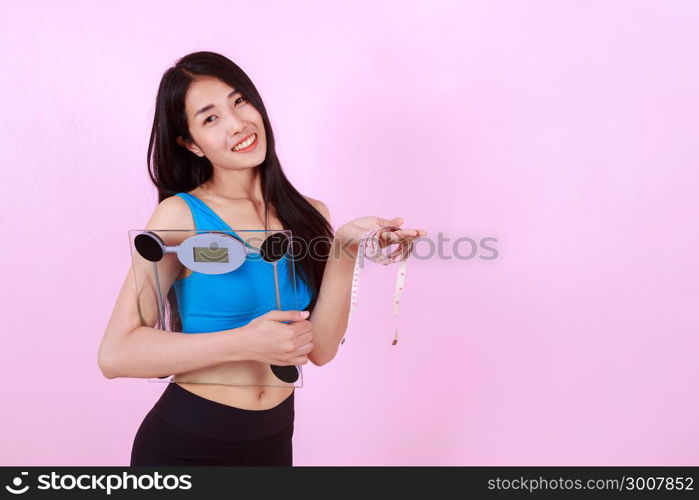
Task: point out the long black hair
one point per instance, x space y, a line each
174 169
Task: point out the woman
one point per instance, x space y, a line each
214 165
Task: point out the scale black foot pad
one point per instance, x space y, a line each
286 373
150 246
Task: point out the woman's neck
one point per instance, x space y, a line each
235 185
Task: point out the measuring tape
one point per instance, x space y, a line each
371 241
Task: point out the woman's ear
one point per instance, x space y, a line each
190 146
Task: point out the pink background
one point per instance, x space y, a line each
565 129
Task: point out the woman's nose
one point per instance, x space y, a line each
234 123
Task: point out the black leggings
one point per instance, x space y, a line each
186 429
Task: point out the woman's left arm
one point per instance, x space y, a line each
331 312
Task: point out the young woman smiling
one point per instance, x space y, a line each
212 159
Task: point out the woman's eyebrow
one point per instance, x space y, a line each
206 108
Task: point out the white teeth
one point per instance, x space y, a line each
246 143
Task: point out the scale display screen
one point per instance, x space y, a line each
208 254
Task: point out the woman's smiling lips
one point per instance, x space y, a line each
250 147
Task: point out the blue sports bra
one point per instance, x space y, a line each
215 302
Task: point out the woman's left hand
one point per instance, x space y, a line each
350 233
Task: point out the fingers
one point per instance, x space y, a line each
401 235
410 233
299 327
415 233
298 360
305 349
304 338
300 355
301 360
291 315
304 345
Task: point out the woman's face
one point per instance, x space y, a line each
219 119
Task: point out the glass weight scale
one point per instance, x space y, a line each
225 261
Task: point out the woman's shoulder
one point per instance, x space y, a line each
172 213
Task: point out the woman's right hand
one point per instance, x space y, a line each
268 340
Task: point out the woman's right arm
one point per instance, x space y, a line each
131 346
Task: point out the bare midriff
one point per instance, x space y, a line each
246 397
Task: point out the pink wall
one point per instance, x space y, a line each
566 129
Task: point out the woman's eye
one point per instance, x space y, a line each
241 98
